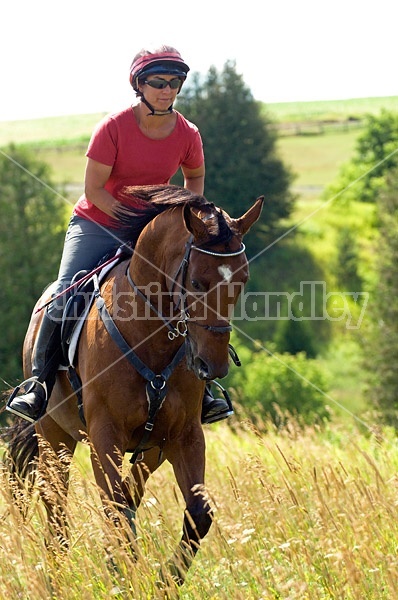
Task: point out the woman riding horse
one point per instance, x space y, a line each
159 328
144 144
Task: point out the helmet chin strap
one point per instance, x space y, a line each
154 112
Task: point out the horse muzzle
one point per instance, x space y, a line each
205 371
207 364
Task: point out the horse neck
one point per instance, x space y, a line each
158 247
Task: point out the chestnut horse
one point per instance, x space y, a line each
158 330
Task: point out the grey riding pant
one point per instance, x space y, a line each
86 243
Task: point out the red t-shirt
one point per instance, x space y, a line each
136 159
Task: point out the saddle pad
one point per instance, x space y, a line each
74 332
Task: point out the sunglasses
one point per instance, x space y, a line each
161 84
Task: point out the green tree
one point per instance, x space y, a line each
294 336
285 279
347 261
32 229
376 153
381 348
240 149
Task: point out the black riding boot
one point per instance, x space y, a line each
214 409
47 352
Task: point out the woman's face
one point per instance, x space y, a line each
160 97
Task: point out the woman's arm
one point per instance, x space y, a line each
194 179
95 179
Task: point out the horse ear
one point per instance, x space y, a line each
194 224
242 225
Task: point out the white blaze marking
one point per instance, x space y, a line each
226 272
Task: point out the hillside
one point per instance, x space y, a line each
78 127
329 111
315 138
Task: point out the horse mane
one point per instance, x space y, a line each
152 200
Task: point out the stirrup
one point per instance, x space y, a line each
224 393
15 393
228 412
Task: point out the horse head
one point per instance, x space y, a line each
203 281
215 276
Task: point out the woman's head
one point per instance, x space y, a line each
164 60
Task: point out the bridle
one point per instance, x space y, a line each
181 327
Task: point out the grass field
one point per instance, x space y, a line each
299 515
316 159
76 127
329 110
61 129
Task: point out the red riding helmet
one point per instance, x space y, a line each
157 63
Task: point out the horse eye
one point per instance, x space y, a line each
195 284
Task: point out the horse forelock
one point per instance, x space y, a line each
219 229
149 201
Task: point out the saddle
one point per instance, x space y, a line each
79 305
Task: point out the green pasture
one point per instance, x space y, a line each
315 159
75 127
314 156
330 110
50 130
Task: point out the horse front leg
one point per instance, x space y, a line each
188 460
139 474
107 461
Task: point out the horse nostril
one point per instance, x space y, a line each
201 368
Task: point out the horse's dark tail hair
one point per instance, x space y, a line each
21 448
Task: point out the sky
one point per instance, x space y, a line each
62 58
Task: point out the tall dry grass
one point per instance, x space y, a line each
298 515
